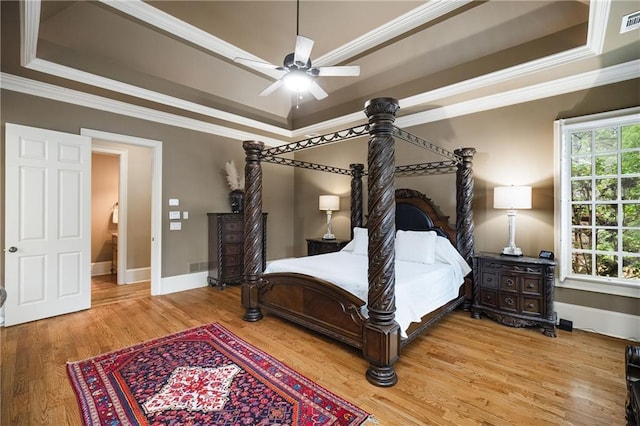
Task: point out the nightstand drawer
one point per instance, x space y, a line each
489 298
489 280
532 306
508 302
531 285
509 283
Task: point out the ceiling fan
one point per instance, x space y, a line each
298 74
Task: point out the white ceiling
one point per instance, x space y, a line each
439 58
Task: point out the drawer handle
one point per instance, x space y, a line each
488 297
531 305
509 283
531 285
509 301
489 279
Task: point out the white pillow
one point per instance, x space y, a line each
416 246
361 241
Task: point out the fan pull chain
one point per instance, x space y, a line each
298 18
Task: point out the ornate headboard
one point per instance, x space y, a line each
416 212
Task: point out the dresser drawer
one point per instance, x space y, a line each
233 237
233 226
232 249
233 260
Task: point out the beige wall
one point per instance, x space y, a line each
515 145
193 164
104 194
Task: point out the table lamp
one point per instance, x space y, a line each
512 198
329 203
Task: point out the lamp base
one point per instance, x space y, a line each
328 237
511 251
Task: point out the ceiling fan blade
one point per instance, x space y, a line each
317 91
255 64
269 90
339 71
303 50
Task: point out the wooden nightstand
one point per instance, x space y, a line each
515 291
320 246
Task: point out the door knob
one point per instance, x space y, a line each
13 249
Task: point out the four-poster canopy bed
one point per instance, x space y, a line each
327 308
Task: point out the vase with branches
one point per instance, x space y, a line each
236 185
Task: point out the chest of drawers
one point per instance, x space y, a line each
515 291
226 248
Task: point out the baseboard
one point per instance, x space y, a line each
183 282
614 324
100 268
136 275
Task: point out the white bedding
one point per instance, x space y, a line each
420 288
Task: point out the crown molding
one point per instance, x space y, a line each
75 97
600 77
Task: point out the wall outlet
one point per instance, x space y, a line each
565 325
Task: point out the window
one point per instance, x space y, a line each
600 198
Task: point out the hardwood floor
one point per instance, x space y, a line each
105 290
461 372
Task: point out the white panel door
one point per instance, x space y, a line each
47 223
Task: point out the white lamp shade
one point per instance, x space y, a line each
512 197
329 202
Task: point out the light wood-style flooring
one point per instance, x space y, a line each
105 290
461 372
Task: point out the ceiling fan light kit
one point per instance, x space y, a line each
298 73
297 81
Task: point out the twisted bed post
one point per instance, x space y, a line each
382 333
464 211
356 195
252 230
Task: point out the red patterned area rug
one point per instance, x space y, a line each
203 376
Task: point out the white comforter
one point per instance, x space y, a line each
420 288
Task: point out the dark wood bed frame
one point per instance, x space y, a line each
320 305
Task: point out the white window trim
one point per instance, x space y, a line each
561 209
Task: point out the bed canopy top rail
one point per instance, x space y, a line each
329 138
423 143
305 165
420 169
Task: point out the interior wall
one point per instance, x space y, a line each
104 195
193 164
515 146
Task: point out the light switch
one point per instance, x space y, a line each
174 215
175 226
185 215
174 202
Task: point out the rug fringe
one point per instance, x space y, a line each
371 421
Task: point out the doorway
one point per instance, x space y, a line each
130 260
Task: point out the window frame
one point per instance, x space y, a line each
563 129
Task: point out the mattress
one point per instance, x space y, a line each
420 288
